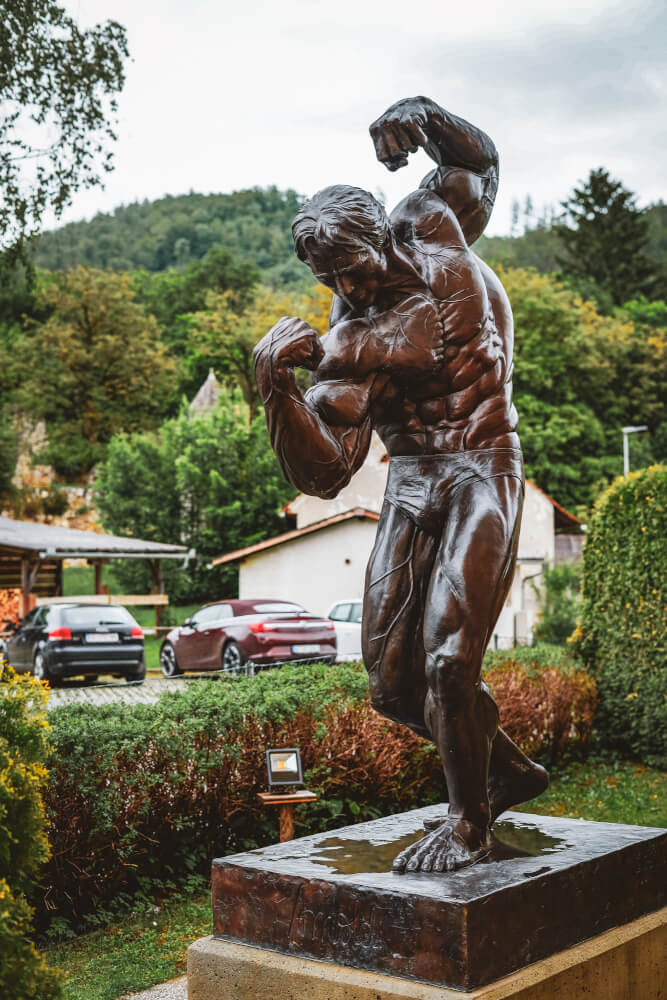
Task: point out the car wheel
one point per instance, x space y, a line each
168 662
39 667
232 659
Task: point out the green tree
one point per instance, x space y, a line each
604 236
579 377
8 454
172 296
58 86
95 367
210 482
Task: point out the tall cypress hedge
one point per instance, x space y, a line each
621 637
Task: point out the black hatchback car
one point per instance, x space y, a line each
67 640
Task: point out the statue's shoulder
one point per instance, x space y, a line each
424 217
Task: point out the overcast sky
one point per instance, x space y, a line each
228 94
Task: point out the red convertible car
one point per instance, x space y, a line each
228 635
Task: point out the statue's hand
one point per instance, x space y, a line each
401 130
292 343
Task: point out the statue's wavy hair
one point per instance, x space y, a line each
340 217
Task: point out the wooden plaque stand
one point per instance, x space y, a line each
286 802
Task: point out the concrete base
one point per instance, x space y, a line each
626 963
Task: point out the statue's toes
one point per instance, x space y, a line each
421 850
401 860
427 861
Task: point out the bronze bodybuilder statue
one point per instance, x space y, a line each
419 348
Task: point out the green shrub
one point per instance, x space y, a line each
143 796
532 659
621 638
23 846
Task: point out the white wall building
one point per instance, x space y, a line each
323 559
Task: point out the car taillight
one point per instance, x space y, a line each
60 633
137 632
329 624
260 627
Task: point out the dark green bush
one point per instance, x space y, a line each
143 796
23 846
621 638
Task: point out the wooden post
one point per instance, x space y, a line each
99 565
155 566
286 802
286 822
29 571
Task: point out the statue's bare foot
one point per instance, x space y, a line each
453 844
516 784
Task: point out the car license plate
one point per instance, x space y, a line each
313 647
102 637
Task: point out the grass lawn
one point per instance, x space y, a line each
606 791
150 947
152 648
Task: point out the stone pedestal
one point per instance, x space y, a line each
548 885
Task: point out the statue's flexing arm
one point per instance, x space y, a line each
466 176
316 457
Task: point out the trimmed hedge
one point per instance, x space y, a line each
621 637
142 796
547 708
24 974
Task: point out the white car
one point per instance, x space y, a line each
346 616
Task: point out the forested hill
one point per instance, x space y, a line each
255 224
174 231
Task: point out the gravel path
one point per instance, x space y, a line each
176 989
108 694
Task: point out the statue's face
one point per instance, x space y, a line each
355 276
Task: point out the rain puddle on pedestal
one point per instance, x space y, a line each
348 856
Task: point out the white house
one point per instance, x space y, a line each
322 559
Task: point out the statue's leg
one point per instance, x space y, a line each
471 573
396 582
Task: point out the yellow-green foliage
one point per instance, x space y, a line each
23 846
621 637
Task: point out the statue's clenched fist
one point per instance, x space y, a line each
402 130
291 343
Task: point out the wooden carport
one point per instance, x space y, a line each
32 555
